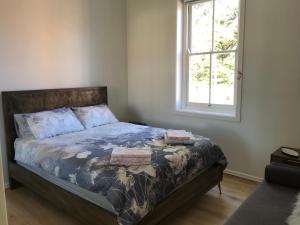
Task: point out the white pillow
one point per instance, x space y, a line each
93 116
53 123
21 125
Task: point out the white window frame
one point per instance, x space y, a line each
184 107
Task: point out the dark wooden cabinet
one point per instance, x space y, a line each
279 157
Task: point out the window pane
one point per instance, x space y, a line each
226 24
199 79
223 78
201 26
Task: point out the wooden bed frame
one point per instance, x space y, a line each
85 211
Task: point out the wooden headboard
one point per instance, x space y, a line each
39 100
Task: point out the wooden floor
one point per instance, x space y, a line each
26 208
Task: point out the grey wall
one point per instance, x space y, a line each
270 102
69 43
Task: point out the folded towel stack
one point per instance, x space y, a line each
131 157
179 137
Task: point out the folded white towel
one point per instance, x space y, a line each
131 156
179 135
177 142
130 162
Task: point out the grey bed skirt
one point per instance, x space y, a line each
95 198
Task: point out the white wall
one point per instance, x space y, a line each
271 91
69 43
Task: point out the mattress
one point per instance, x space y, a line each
95 198
80 163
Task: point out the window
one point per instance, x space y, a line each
212 47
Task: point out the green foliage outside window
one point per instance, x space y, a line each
201 69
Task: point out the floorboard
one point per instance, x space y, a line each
26 208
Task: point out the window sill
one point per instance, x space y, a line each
226 116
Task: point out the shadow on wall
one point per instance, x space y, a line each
224 137
3 144
107 25
135 115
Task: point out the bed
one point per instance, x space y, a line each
73 171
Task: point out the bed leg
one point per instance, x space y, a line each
13 184
220 188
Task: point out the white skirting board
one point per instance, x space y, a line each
243 175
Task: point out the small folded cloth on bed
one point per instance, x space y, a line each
179 137
131 157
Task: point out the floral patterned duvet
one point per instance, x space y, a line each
83 158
